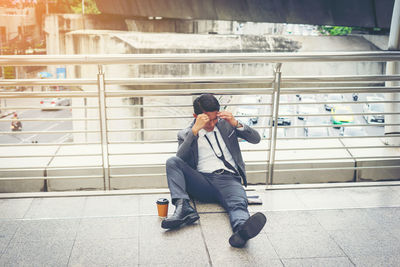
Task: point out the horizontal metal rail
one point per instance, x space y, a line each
53 144
332 137
345 125
54 119
53 167
144 142
341 168
40 108
47 94
38 60
51 155
203 80
170 152
334 147
179 117
167 92
51 177
335 158
337 103
338 90
51 132
344 78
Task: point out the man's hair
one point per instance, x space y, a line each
205 103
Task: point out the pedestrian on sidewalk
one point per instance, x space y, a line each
209 167
16 124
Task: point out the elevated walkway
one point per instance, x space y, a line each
123 132
356 226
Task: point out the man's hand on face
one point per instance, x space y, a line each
226 115
201 121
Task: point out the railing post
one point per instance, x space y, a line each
393 68
103 126
273 131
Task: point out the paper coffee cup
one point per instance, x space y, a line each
162 207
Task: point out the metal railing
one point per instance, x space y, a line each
98 116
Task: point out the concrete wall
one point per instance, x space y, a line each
153 25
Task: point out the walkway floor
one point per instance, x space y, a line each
306 227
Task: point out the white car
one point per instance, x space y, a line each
53 103
249 113
307 98
285 110
374 108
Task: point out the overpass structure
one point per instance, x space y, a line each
361 13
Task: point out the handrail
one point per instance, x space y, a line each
283 57
203 80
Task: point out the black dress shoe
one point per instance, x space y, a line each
184 214
248 230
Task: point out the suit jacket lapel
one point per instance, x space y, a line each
224 133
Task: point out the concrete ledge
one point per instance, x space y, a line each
370 159
291 173
18 165
302 166
375 172
26 185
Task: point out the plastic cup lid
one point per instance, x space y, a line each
162 201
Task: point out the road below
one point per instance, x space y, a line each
35 126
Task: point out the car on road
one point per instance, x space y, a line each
285 110
374 108
249 113
332 98
306 98
53 103
339 116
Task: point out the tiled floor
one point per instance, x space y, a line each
306 227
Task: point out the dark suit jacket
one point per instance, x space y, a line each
188 148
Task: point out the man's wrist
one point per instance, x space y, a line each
195 131
238 125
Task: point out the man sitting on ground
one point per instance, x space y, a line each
209 167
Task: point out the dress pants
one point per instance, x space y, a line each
208 187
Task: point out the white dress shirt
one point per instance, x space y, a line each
208 162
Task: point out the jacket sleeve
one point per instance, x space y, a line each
185 142
248 134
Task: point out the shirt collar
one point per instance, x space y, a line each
203 132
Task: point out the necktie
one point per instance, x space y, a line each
222 157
